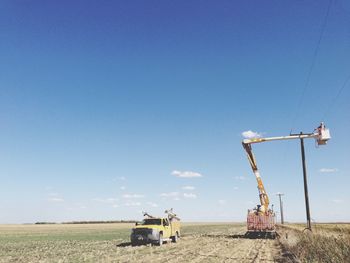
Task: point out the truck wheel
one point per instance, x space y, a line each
160 240
174 238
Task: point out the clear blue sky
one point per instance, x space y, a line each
101 101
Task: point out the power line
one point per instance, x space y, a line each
336 97
308 77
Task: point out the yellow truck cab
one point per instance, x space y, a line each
156 230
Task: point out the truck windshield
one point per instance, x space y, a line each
153 221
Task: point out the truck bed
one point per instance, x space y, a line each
261 223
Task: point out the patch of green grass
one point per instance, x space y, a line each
68 233
66 243
110 235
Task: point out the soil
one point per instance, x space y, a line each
231 246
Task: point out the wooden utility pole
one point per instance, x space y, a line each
306 192
281 207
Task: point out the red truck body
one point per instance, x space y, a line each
261 222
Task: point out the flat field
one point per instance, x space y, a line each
220 242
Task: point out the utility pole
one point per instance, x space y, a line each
306 192
281 207
308 218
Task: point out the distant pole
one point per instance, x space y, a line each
281 207
308 218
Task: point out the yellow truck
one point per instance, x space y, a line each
156 230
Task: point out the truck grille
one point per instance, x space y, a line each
142 231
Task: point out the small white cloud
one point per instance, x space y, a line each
121 178
152 204
132 204
56 199
105 200
241 178
328 170
235 188
338 201
80 206
190 195
112 200
122 188
115 206
222 202
176 199
132 196
188 187
250 134
171 194
186 174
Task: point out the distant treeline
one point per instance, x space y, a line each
89 222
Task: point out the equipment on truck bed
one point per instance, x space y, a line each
262 218
171 215
145 214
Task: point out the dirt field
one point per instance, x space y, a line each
199 243
110 243
220 244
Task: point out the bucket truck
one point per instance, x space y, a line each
262 219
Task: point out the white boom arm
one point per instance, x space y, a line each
279 138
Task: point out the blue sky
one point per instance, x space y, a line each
104 105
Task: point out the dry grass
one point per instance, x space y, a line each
327 243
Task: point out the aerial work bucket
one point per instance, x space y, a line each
323 134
